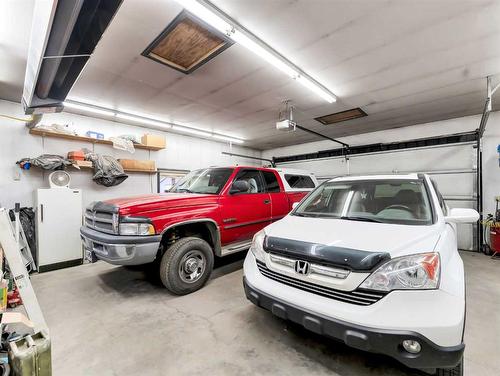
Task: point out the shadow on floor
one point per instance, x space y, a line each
329 353
140 279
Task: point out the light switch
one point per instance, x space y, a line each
16 173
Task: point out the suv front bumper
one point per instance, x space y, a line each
381 341
119 249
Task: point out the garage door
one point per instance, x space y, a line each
452 167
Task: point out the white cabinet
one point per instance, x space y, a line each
59 217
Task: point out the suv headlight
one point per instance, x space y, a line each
414 272
136 229
257 246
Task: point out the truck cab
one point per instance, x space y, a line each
211 212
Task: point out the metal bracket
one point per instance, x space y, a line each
487 106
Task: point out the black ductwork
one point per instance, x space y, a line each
77 27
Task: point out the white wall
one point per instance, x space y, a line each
182 152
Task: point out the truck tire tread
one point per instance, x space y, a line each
168 265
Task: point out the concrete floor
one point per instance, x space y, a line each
107 320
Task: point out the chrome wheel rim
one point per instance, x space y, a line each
192 266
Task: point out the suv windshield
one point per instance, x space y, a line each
386 201
210 180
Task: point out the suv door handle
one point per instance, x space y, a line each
267 201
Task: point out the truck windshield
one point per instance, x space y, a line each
385 201
210 180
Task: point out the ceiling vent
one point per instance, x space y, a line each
64 35
187 43
338 117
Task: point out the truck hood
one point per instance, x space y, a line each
153 202
397 240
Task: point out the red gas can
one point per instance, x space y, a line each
495 239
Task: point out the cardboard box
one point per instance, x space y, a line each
76 155
83 164
153 140
137 165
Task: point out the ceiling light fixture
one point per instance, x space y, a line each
226 138
143 120
212 15
197 132
89 108
148 121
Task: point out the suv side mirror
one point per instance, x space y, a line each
457 215
239 186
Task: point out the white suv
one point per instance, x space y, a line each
371 261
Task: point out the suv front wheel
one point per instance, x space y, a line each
186 265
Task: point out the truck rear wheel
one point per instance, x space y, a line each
186 265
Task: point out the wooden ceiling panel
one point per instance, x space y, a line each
186 44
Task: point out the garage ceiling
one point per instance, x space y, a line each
403 62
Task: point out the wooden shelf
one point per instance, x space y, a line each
45 133
125 169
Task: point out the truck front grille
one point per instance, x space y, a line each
358 296
102 221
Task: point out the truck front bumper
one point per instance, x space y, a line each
379 328
120 250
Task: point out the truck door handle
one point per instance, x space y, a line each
41 212
267 201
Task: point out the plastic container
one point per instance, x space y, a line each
92 134
31 356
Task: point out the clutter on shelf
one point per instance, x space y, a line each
96 135
45 161
57 128
107 170
147 141
122 144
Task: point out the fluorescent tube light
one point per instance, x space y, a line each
148 121
191 131
206 15
227 138
257 49
317 89
220 21
142 120
87 108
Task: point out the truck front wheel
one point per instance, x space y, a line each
186 265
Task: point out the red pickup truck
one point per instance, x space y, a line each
210 212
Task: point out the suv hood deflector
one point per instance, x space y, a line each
353 259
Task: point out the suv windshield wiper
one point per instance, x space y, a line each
184 190
315 215
361 219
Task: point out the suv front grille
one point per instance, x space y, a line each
358 296
102 221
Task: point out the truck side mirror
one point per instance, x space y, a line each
457 215
239 186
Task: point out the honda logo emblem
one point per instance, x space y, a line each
302 267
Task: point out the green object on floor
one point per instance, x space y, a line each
31 356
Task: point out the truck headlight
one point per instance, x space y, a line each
414 272
257 246
136 229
